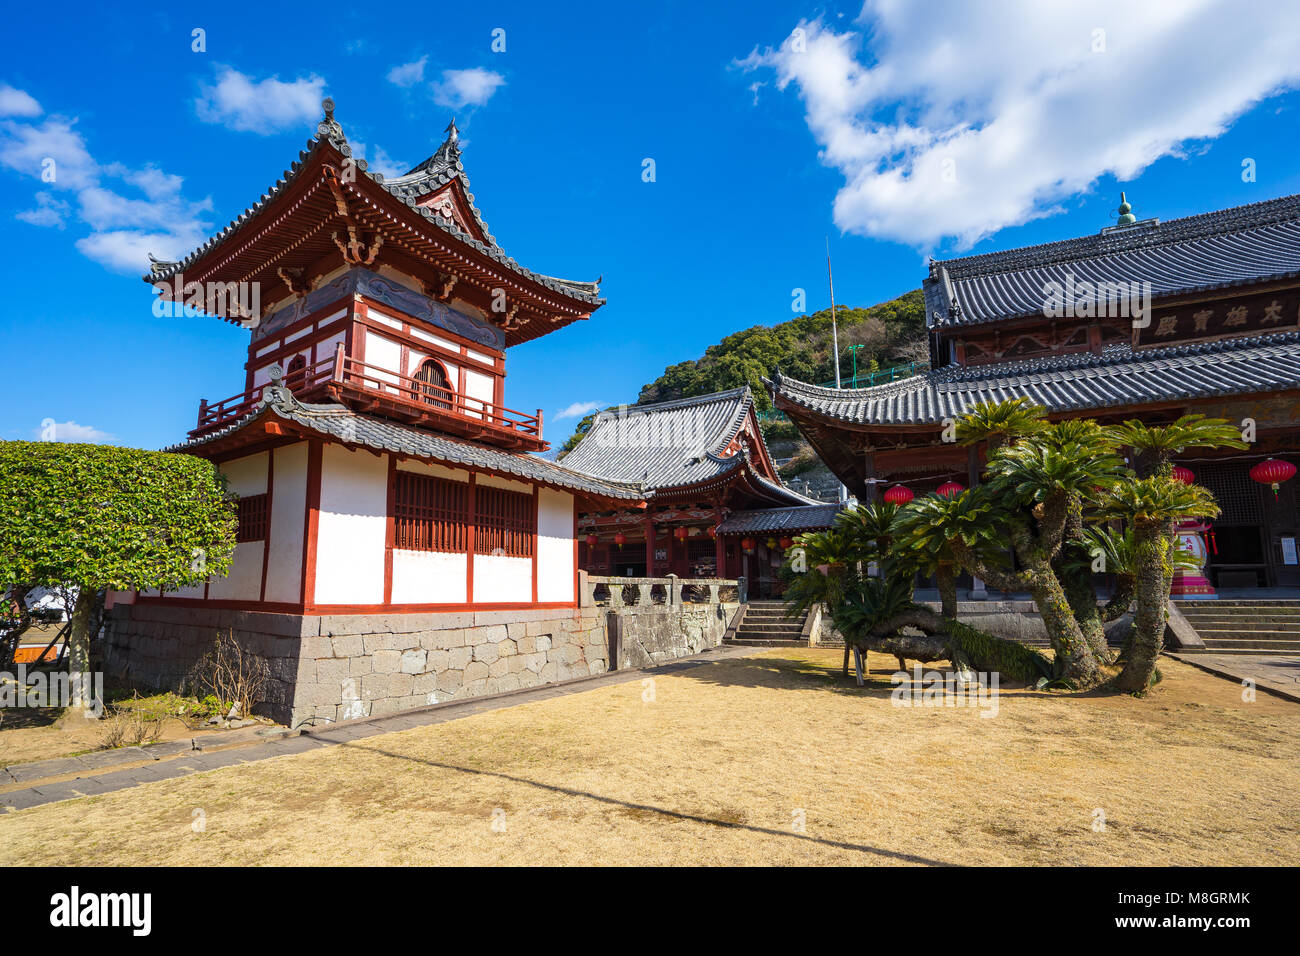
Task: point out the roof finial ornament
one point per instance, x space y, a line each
1126 217
453 134
328 128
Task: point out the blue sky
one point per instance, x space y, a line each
899 130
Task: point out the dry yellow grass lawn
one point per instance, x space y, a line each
718 767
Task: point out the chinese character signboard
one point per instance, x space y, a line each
1221 318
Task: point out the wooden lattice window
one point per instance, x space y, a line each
430 514
252 511
432 385
506 522
296 373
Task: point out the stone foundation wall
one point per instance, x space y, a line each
340 667
654 635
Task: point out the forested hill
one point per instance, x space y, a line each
891 333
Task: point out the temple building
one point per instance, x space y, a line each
384 485
1148 320
716 505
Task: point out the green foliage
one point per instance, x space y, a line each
868 602
97 516
996 422
925 528
774 431
1160 443
800 347
1158 501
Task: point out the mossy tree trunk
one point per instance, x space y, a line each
1152 545
946 577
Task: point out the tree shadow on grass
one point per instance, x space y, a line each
646 808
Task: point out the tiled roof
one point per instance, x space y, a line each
671 444
780 520
677 442
1119 377
338 422
439 169
1216 250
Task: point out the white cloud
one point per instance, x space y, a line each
239 102
49 211
408 74
579 410
130 212
461 88
17 102
69 431
377 160
979 116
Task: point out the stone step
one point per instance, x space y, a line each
1271 651
1222 643
774 618
1194 605
791 632
1229 634
765 642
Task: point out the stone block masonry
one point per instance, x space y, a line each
339 667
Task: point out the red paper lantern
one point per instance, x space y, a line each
899 495
591 540
949 489
620 539
1184 475
680 533
786 543
1273 472
747 544
713 531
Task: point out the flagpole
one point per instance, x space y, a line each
835 332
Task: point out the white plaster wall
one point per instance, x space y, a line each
440 471
554 546
492 481
502 579
350 535
479 386
288 515
244 582
326 347
429 577
382 353
245 477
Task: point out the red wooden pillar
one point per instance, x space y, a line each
649 526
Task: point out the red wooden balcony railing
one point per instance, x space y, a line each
367 388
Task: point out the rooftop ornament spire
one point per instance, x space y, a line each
328 128
1126 217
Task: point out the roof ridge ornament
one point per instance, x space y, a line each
328 128
1126 217
277 394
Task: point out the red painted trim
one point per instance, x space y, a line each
471 527
536 508
461 342
390 529
270 513
311 318
311 521
313 609
295 347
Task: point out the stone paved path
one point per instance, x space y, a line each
194 761
1278 674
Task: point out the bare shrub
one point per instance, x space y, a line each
129 727
231 674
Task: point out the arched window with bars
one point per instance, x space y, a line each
432 384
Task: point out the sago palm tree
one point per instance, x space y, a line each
996 423
1158 445
1153 506
923 533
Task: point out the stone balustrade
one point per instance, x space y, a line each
670 591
